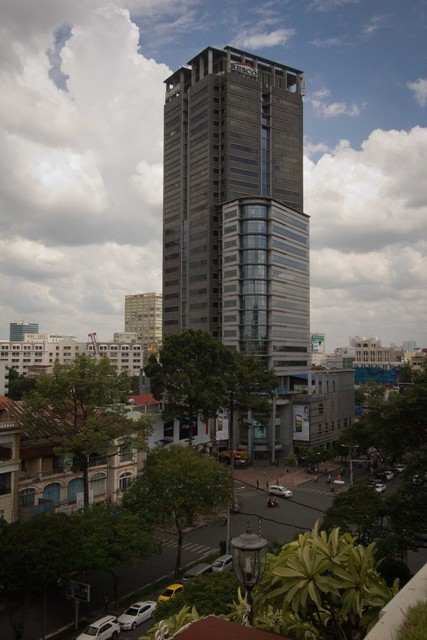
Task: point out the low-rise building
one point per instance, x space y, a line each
9 462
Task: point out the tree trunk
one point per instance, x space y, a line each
178 552
115 589
85 470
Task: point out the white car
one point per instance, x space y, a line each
106 628
136 614
379 487
279 490
223 563
400 468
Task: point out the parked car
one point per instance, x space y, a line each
170 592
196 571
106 628
400 467
380 487
136 614
223 563
279 490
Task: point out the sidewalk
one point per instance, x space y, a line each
261 474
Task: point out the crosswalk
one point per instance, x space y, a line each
198 549
246 492
311 489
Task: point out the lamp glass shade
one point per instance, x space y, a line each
249 553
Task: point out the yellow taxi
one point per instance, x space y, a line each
170 592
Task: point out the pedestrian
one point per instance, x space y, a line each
287 469
257 484
106 602
315 479
266 484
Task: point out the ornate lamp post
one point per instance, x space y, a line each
248 552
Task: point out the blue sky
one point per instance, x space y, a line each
81 146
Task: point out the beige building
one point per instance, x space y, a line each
370 352
143 316
9 463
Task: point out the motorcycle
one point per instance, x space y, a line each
272 502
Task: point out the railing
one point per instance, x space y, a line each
7 426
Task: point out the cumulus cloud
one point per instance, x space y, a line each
81 147
81 179
419 87
369 253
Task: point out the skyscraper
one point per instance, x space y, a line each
143 316
236 240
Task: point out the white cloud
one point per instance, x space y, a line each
369 253
81 187
334 109
81 179
254 39
419 87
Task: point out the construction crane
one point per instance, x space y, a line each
95 342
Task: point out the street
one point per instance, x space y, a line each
309 502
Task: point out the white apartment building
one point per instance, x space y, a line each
39 352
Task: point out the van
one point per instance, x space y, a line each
197 570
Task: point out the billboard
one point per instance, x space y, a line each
317 343
301 428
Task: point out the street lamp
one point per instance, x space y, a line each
248 552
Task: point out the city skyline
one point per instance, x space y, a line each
82 123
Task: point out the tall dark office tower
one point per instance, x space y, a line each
236 240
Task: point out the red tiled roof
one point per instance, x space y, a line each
212 628
145 399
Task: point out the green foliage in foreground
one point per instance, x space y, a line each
319 587
415 624
209 594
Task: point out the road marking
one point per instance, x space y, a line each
322 492
189 546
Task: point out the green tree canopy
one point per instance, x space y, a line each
113 537
187 374
78 407
33 555
178 486
19 384
358 510
210 594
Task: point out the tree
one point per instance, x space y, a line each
113 537
359 510
34 555
249 389
187 375
19 384
179 486
78 408
326 584
211 594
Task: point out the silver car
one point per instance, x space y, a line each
136 614
223 563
